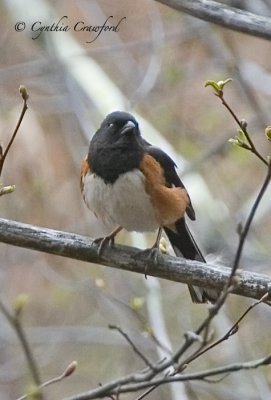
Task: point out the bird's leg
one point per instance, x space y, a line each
153 252
157 241
109 239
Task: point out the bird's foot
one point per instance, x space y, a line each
102 242
108 240
152 256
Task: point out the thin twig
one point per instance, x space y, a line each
25 107
148 391
134 347
243 128
15 322
246 228
234 328
230 284
68 372
136 382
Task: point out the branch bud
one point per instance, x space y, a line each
239 141
137 303
23 92
33 392
6 189
217 86
70 369
268 132
243 124
19 303
163 245
239 228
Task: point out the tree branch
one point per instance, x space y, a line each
15 322
228 17
4 154
130 259
136 382
134 347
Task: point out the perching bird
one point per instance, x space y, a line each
130 184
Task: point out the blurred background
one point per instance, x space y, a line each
155 66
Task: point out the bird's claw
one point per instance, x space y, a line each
152 255
102 242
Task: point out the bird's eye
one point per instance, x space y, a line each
111 124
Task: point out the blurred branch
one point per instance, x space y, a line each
138 381
244 231
15 321
133 345
228 17
68 372
232 331
4 154
82 248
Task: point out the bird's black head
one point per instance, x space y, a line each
117 127
116 147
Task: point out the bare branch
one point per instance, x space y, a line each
15 321
68 372
134 347
136 382
234 329
130 259
243 126
3 155
245 230
223 15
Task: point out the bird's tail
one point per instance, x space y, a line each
184 245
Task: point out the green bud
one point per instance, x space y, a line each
221 84
268 132
239 141
33 392
212 83
234 141
241 135
20 302
217 86
148 329
137 303
6 189
23 92
163 245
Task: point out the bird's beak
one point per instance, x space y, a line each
128 127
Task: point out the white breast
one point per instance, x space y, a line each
123 203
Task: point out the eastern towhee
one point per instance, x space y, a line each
130 184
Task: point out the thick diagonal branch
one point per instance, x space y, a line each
223 15
130 259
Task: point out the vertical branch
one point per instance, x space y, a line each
245 230
15 322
